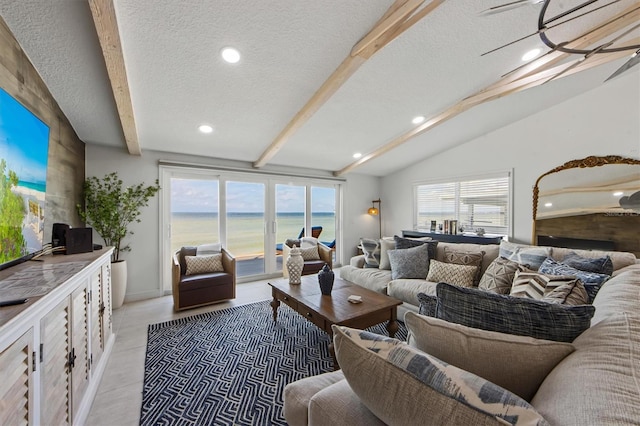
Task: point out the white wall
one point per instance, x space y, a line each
144 263
603 121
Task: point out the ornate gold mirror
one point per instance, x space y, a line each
595 199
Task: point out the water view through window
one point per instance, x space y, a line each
196 210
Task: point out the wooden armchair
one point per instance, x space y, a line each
310 266
190 291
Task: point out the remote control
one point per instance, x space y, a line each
13 302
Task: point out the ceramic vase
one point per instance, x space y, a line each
118 283
325 279
295 263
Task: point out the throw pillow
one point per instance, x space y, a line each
292 242
466 258
405 243
451 273
499 275
310 253
424 389
371 251
572 293
517 363
410 263
532 256
205 249
512 315
598 265
385 246
428 304
204 264
535 285
592 281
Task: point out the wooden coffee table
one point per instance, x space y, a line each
324 311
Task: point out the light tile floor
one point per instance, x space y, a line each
119 395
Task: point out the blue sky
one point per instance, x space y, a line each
189 195
24 140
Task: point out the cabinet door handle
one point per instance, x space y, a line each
72 358
102 308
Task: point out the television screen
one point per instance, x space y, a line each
24 146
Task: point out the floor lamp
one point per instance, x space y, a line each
375 211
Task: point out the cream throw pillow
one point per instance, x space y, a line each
516 363
203 264
460 275
310 253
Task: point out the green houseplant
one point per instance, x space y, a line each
110 208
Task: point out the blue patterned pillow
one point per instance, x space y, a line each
410 263
592 281
532 256
598 265
512 315
377 366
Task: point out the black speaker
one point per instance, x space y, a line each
79 240
58 234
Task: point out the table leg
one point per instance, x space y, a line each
392 325
274 305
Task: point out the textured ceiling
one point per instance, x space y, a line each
289 48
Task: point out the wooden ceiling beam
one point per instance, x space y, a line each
533 74
104 18
394 20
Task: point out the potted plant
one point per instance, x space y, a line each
109 209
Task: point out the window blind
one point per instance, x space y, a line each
482 202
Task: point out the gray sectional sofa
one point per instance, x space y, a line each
596 384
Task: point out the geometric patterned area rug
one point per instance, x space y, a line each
230 367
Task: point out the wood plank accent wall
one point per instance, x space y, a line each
621 229
66 164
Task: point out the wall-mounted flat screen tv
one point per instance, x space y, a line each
24 148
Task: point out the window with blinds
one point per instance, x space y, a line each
480 202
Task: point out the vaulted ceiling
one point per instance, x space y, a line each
176 79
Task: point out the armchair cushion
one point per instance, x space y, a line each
204 264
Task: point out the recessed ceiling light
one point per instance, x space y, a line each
205 128
531 54
417 120
230 55
548 204
618 193
357 155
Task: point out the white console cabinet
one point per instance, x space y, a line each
54 348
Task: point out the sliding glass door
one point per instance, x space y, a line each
250 214
245 214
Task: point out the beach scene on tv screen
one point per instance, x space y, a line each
24 143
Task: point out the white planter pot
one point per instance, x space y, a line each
118 282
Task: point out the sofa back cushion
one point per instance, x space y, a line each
517 363
598 383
